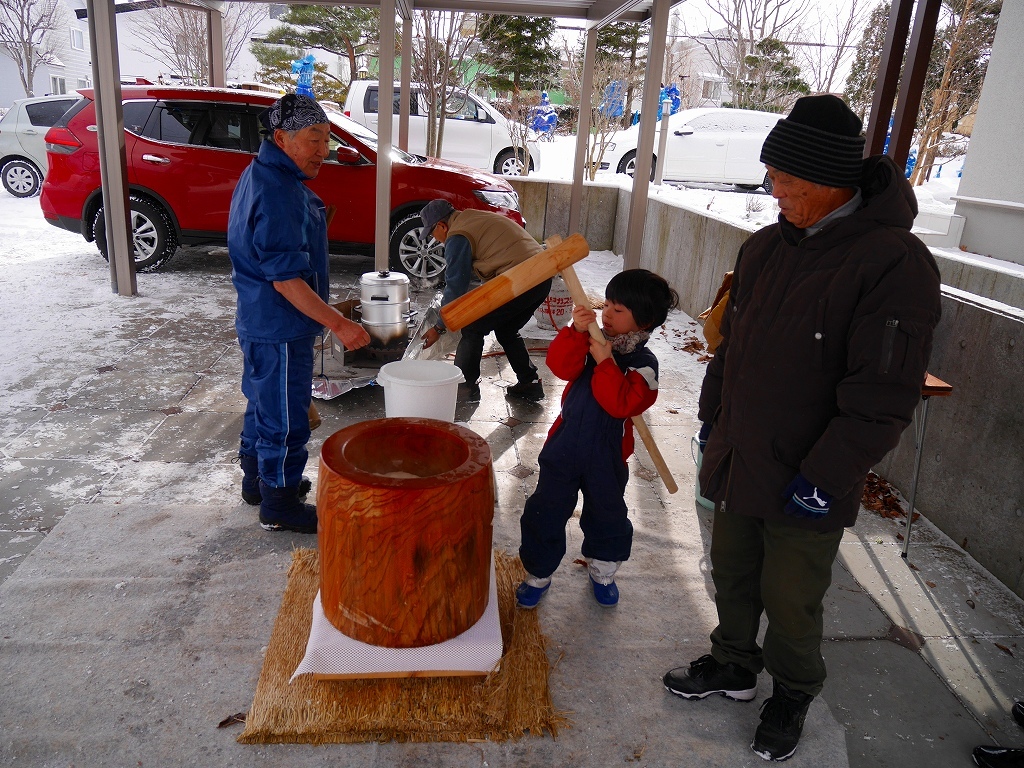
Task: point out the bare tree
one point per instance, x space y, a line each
604 122
746 23
176 37
27 35
966 44
822 61
440 62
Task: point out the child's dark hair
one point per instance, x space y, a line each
647 295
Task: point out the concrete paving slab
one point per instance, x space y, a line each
152 390
115 657
86 433
897 719
197 437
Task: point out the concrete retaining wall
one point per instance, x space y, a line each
971 484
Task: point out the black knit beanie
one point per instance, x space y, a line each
819 141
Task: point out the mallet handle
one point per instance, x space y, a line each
579 296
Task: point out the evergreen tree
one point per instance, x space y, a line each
335 29
275 68
518 51
773 80
860 83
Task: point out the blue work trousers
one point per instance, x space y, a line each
566 469
277 382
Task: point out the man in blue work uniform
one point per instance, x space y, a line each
277 242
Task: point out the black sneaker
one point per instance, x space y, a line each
1018 712
782 721
532 390
998 757
469 393
706 676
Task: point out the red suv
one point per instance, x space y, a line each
186 148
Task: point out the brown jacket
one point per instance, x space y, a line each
826 341
498 242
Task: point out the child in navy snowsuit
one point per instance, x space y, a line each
592 438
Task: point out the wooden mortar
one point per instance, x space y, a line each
404 561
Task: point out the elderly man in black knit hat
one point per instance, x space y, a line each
826 339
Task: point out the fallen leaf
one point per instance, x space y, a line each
238 717
930 584
970 602
1004 649
580 561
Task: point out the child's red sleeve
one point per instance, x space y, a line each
567 353
624 395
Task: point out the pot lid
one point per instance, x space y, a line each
384 278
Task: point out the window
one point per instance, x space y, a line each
462 108
371 102
46 113
83 82
58 85
77 39
178 123
711 89
136 113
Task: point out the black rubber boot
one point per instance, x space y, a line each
283 510
251 481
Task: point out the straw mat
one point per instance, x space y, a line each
508 703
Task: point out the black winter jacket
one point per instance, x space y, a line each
826 344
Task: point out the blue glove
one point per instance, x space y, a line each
704 434
806 500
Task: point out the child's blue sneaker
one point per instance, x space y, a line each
606 595
528 597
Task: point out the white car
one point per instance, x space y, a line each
475 134
22 141
707 144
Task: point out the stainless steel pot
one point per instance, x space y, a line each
378 312
384 306
384 288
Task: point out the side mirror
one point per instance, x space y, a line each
347 155
684 131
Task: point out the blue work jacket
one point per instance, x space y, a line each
277 230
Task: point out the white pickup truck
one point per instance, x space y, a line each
476 135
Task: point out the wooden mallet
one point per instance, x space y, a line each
579 296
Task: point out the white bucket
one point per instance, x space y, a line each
422 388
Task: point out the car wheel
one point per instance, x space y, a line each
21 178
627 164
768 186
153 236
507 164
407 254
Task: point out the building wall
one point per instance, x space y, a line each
970 480
73 67
995 160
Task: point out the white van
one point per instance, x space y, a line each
476 135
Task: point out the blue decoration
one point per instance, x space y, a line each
304 68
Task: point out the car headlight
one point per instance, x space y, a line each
498 199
